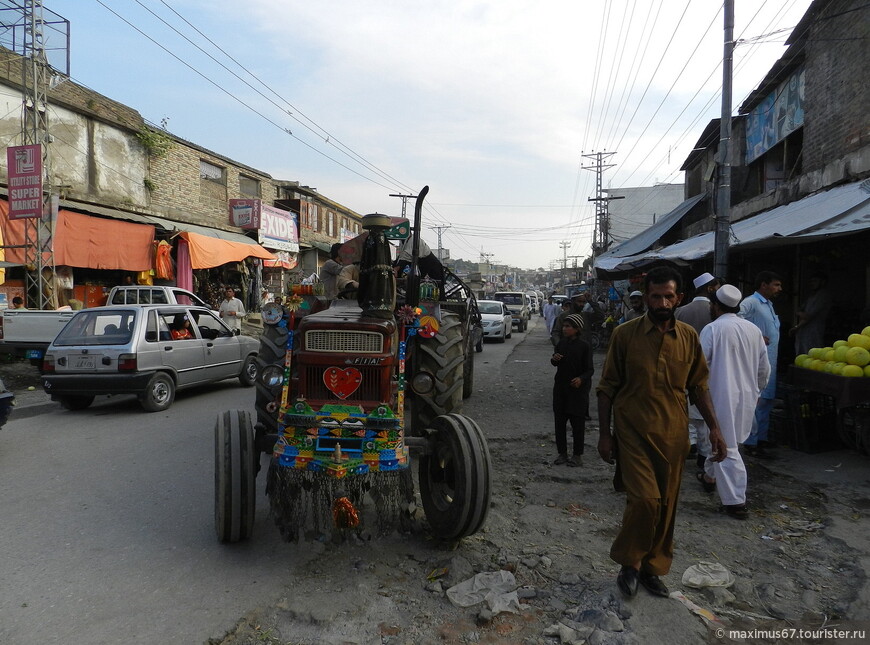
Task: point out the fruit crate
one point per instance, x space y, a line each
814 420
854 427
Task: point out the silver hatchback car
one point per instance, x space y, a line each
150 351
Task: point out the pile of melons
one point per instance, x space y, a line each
846 358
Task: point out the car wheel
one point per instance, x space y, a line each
248 375
159 393
76 402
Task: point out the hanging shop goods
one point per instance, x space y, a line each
331 411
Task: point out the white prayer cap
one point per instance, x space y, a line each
728 295
635 294
701 280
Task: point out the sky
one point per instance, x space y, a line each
494 104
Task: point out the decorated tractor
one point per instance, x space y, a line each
350 393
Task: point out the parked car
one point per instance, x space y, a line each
132 349
497 319
518 303
28 332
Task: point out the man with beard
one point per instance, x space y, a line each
739 369
652 362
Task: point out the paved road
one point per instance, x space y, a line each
107 531
107 527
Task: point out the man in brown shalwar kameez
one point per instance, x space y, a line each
652 362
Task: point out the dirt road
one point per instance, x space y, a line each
800 559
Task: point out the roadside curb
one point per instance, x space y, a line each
28 410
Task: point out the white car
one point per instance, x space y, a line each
496 318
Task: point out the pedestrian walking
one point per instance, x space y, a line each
739 370
697 314
652 363
758 309
571 387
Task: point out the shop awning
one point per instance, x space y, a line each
643 241
96 243
207 252
838 211
87 242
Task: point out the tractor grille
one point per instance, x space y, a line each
344 342
368 390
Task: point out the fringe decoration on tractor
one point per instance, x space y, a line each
304 503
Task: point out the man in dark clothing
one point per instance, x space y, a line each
573 381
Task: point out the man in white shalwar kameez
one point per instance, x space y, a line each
739 369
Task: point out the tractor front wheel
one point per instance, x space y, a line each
455 477
236 459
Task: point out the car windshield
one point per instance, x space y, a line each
510 299
98 328
490 307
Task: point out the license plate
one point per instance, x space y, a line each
33 353
83 362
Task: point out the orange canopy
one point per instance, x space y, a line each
97 243
207 252
87 242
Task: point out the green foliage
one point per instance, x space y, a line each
149 184
157 143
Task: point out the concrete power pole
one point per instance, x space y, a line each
405 199
601 237
723 201
438 230
564 246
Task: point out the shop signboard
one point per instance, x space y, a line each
25 181
278 229
245 213
778 115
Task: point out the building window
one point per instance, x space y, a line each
330 223
249 187
315 218
211 172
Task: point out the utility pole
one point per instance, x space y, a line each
564 246
723 200
405 199
601 237
438 230
35 79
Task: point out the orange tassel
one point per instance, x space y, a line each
344 514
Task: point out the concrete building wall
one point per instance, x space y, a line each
640 208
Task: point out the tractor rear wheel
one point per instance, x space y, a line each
455 477
468 368
273 349
236 459
442 357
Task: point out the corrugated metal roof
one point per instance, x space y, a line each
838 211
647 238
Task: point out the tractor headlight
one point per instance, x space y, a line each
423 383
272 376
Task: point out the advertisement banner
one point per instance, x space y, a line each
778 115
278 229
245 213
25 181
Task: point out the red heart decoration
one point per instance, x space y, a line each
342 383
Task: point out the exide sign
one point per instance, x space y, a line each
278 229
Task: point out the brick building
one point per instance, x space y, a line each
107 162
800 194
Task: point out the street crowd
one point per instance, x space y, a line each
678 382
